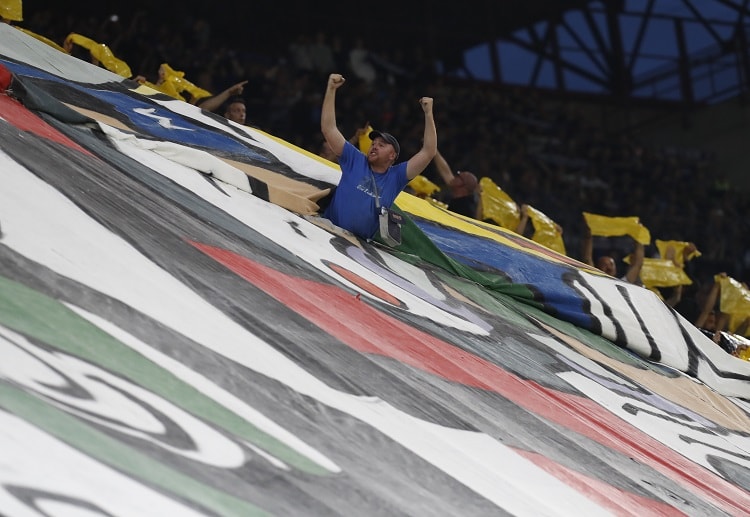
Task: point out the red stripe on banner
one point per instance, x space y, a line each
619 501
17 114
364 328
365 285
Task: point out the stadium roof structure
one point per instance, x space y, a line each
670 50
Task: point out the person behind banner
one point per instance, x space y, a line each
711 321
462 198
370 182
607 264
230 99
235 109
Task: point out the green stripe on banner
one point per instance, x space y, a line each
416 243
111 452
34 314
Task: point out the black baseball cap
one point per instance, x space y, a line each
388 138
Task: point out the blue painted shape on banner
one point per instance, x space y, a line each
551 280
31 71
149 117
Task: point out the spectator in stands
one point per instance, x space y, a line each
321 55
173 83
680 260
712 322
98 54
359 62
588 169
607 263
233 93
375 178
299 53
462 197
709 315
235 109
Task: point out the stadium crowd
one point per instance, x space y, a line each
543 152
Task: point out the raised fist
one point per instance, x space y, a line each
426 103
335 81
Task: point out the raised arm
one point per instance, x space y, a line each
636 263
675 297
443 168
215 102
424 156
328 126
709 302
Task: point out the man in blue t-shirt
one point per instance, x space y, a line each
374 178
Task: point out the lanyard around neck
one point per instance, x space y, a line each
375 186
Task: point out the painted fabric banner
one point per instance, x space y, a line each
181 335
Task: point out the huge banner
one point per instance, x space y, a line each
181 334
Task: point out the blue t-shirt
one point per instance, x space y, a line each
353 204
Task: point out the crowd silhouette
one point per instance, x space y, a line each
543 151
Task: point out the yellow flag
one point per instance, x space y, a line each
11 10
174 83
734 300
605 226
423 187
546 232
497 205
661 273
678 249
166 87
364 140
101 53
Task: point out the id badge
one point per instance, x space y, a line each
390 226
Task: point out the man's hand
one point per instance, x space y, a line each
335 81
426 103
237 89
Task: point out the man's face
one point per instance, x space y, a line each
236 112
607 264
381 151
